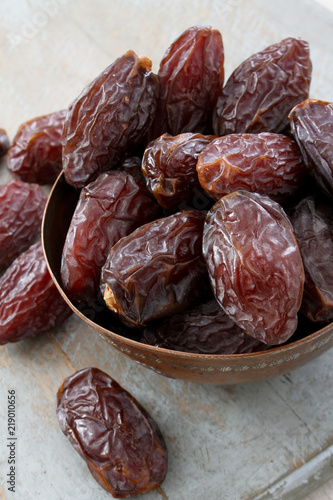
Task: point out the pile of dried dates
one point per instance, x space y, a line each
204 224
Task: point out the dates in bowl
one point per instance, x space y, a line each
210 292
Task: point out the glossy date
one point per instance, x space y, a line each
312 125
157 270
262 90
264 163
109 208
254 265
169 166
30 303
4 142
36 152
21 211
109 118
121 444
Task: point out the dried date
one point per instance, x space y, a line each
120 442
4 142
21 211
265 163
203 329
312 125
30 303
254 264
36 152
109 118
191 76
169 166
312 220
263 89
109 208
157 270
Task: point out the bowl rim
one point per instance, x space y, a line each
274 350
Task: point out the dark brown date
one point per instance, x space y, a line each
191 76
312 220
312 125
108 209
260 93
36 152
132 165
30 303
4 142
203 329
264 163
120 442
109 118
157 270
21 212
169 166
254 265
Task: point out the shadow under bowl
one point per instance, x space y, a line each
203 368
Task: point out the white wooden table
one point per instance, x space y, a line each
267 440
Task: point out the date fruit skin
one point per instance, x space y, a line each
263 89
191 76
312 220
122 445
311 123
30 303
109 119
109 208
21 211
157 270
4 142
265 163
36 152
202 329
169 166
254 264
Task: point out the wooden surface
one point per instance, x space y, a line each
267 440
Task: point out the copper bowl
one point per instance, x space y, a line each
212 369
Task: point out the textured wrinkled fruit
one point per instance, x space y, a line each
264 163
191 77
260 93
109 208
312 220
36 152
4 142
109 118
203 329
30 303
157 270
121 444
132 165
21 212
254 265
169 166
312 125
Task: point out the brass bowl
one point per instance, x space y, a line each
211 369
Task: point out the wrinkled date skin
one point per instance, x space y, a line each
30 303
108 209
36 152
191 76
203 329
260 93
169 166
132 165
21 212
265 163
313 225
157 270
121 444
254 265
4 142
109 118
312 125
